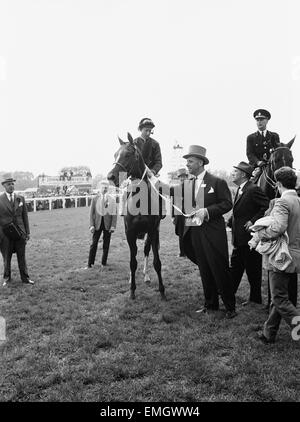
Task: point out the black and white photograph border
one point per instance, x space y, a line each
131 312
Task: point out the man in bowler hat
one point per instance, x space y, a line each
13 210
261 143
249 205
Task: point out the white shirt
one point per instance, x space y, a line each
12 196
263 132
199 181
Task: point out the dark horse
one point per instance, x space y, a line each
281 156
129 160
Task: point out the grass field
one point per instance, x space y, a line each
77 336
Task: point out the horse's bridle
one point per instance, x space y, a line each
270 162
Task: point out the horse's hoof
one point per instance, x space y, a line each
132 295
147 279
163 297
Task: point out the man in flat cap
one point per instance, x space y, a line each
14 230
261 143
249 205
205 199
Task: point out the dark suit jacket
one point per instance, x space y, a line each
151 153
215 196
257 146
7 213
249 206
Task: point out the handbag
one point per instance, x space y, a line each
12 231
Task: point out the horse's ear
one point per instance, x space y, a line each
130 138
289 144
121 142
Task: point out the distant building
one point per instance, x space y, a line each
70 179
176 162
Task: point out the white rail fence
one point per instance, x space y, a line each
56 202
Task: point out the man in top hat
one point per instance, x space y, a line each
103 218
249 205
13 210
179 220
261 143
205 199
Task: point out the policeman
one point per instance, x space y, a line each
260 144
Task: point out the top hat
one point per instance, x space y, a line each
197 151
182 172
146 122
7 179
245 167
262 114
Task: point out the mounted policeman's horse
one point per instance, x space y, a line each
138 218
280 157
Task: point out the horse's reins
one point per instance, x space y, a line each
151 183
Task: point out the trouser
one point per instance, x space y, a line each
243 258
281 306
8 247
94 244
181 249
292 289
214 271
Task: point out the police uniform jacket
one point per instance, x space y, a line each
259 147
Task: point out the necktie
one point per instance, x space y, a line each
194 193
11 198
237 194
105 201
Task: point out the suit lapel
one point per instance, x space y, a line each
7 203
242 194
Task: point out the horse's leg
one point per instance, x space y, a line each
131 239
147 248
157 263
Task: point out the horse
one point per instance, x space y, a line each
128 159
280 156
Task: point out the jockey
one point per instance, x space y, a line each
260 144
150 150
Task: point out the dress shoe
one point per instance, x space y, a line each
202 310
230 314
28 282
205 310
181 255
264 339
88 267
250 302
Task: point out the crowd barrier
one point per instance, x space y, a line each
56 202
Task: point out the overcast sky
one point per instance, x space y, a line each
75 74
